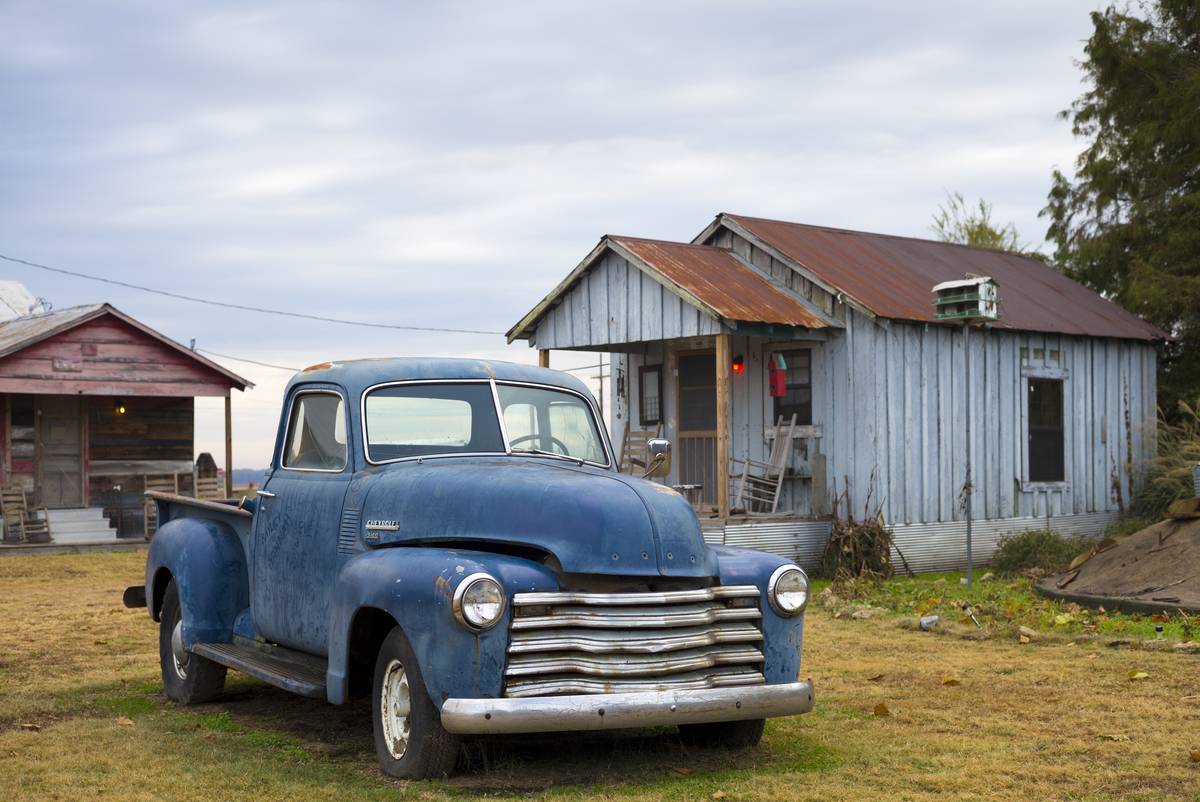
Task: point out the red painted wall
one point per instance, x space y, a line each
107 357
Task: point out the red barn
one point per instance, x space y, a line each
94 406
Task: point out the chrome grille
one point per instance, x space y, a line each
564 643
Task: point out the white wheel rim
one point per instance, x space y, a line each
179 655
395 705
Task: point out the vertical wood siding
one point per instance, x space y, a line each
616 303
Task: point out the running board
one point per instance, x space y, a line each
284 668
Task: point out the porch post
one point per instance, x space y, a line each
722 449
543 357
229 444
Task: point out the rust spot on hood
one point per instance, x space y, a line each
318 366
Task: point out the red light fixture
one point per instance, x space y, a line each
738 366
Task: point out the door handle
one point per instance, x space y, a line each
266 494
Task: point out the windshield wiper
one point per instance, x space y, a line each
543 453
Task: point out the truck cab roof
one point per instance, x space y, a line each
356 375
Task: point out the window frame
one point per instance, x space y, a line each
1045 373
287 433
774 400
597 421
642 371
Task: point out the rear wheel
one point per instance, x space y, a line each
187 678
410 741
727 734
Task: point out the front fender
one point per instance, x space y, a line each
782 637
208 563
415 587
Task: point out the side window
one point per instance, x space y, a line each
1046 447
650 398
790 373
316 433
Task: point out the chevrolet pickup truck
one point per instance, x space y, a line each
451 539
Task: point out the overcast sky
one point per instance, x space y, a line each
447 164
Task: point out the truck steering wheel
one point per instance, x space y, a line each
543 437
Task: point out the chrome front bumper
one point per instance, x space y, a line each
610 711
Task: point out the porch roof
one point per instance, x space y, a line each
713 280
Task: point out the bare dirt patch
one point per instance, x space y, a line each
1161 563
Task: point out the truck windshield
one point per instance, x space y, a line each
422 420
539 419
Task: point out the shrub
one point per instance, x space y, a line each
1042 550
1169 477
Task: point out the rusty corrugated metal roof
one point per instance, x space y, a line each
893 276
720 281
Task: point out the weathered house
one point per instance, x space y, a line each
93 406
842 324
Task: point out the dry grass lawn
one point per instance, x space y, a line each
82 716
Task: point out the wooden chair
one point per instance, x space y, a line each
760 483
21 522
163 483
635 448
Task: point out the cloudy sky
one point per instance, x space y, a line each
446 164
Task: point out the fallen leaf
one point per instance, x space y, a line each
124 722
1101 608
1138 675
1062 619
719 795
1195 753
1023 639
881 710
683 771
1092 656
949 680
875 678
31 727
1114 736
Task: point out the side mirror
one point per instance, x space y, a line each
658 450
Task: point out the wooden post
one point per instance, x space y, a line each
722 467
543 357
229 444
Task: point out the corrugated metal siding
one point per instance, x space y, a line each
798 540
926 547
943 546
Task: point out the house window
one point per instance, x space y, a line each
1046 447
650 394
797 397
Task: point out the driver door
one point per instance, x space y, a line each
296 524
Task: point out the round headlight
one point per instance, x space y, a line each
478 601
788 590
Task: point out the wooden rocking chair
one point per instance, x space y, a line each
760 483
21 522
635 449
163 483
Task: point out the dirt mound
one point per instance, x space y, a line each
1161 563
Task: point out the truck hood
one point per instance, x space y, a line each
591 520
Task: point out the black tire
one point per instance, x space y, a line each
430 751
194 679
723 734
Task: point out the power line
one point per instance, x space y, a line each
250 361
242 307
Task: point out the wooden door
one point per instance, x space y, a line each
696 416
60 451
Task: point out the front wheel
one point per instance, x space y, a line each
187 678
727 734
410 741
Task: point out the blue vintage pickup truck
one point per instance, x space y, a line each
451 538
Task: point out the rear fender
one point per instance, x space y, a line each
415 586
208 563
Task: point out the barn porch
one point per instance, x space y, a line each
94 408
